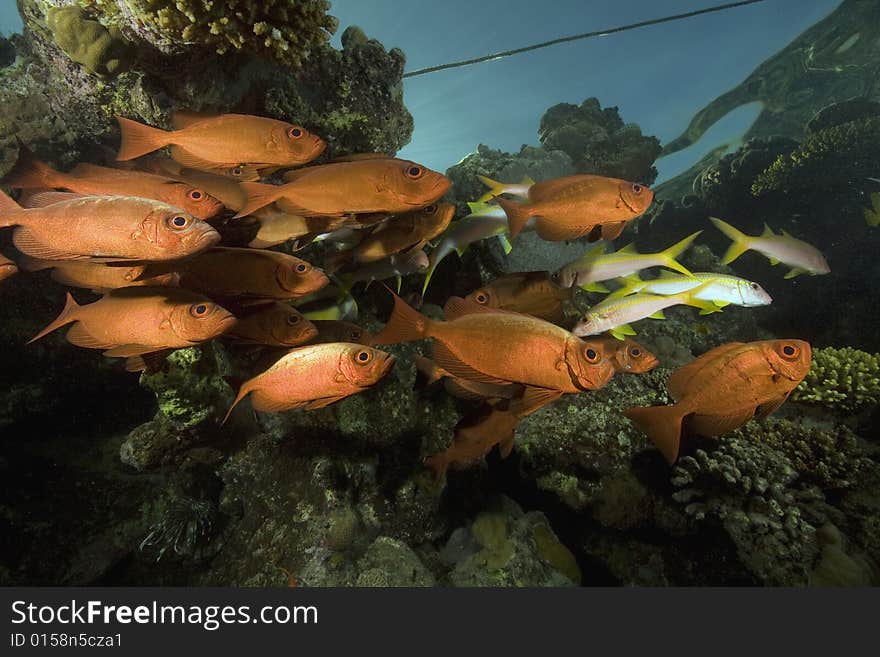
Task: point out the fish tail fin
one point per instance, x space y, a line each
243 391
31 172
259 195
439 464
8 209
495 188
670 255
662 424
517 215
741 241
139 139
405 325
66 317
628 285
433 261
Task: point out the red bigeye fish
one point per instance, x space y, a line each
315 376
135 321
209 143
89 179
273 325
574 206
723 389
246 274
106 228
95 275
336 330
384 186
532 293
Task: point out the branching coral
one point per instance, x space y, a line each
844 379
287 30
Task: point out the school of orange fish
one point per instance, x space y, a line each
145 234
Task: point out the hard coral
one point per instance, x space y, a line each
87 42
285 30
843 379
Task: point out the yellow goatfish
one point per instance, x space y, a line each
498 188
803 258
596 266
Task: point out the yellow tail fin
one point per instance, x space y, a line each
669 255
741 241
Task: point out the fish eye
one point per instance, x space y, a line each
364 356
790 351
431 209
302 268
591 355
355 335
198 309
414 172
482 297
293 319
294 133
637 188
178 222
754 286
635 351
236 171
196 195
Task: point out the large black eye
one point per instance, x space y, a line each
482 297
196 195
414 172
363 356
302 268
236 171
294 133
754 286
788 350
179 222
198 310
635 351
293 319
637 189
591 354
431 209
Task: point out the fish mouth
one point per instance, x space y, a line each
441 186
206 239
387 365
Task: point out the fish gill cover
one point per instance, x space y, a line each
361 450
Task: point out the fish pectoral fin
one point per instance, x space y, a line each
321 403
595 287
773 261
457 368
718 425
79 336
657 315
24 241
720 303
620 332
129 350
769 407
794 272
532 400
150 362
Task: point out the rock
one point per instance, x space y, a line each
389 562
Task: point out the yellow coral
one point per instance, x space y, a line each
847 379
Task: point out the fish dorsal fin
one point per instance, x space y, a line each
45 199
768 232
25 242
183 119
459 369
629 249
456 307
679 380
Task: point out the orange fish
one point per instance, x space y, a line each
474 437
388 186
209 143
162 165
246 273
532 293
110 228
89 179
496 346
95 275
410 231
723 389
7 267
277 227
574 206
315 376
336 330
134 321
629 356
273 325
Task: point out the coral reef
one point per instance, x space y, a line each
846 379
599 142
87 42
286 30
